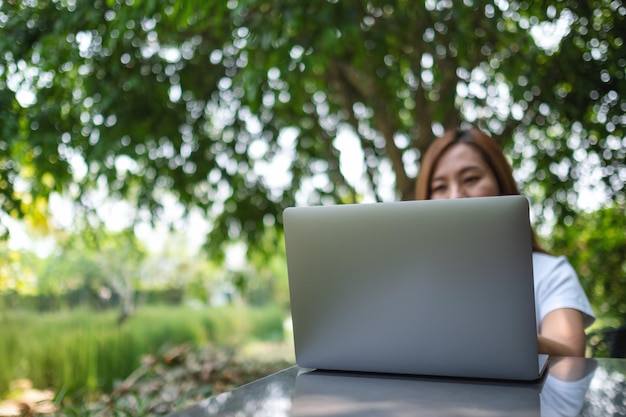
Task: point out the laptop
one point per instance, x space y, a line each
436 287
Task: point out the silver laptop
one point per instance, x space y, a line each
438 287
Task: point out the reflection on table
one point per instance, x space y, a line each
571 387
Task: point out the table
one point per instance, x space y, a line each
570 387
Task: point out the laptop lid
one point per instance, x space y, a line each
438 287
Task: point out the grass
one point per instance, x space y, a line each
180 377
82 350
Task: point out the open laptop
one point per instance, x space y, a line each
438 287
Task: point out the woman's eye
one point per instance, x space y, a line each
438 189
471 179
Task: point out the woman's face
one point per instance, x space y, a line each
462 172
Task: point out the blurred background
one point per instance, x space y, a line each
149 147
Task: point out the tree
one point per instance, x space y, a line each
595 244
90 267
17 275
202 99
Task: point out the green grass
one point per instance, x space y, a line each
83 350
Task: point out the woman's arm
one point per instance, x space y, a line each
563 333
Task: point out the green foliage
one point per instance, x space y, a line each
595 244
18 271
203 99
265 279
237 108
81 350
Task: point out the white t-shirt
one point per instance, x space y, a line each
557 286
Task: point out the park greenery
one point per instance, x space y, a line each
83 350
237 109
83 318
204 100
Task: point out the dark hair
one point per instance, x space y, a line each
489 150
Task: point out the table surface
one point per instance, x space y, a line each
570 387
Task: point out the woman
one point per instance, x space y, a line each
468 163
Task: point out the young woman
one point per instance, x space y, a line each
469 163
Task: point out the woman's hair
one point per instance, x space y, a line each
489 150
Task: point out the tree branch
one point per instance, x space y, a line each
384 122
